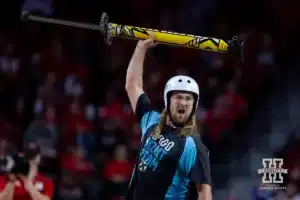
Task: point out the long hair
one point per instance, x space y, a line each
189 129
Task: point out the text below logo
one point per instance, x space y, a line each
272 172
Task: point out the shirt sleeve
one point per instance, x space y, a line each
200 172
145 113
2 183
49 188
195 161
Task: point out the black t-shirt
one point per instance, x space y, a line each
168 163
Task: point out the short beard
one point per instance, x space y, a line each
174 124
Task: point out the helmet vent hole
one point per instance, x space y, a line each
188 81
179 80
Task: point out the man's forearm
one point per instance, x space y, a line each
134 76
204 196
204 192
36 195
8 192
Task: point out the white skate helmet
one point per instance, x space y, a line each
181 83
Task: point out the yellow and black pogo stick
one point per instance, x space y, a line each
111 30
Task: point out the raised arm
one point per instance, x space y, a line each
134 76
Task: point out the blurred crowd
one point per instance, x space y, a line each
65 89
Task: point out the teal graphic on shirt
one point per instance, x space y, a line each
153 152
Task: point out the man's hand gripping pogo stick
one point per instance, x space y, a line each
110 30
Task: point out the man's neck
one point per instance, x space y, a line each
33 171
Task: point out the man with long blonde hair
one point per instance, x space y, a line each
172 155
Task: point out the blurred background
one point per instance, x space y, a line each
64 88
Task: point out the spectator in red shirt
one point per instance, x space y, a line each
117 173
228 108
32 186
75 117
113 107
76 163
119 168
69 188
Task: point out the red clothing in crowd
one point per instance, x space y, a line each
118 168
75 120
117 112
231 110
216 124
77 166
110 111
78 122
41 182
